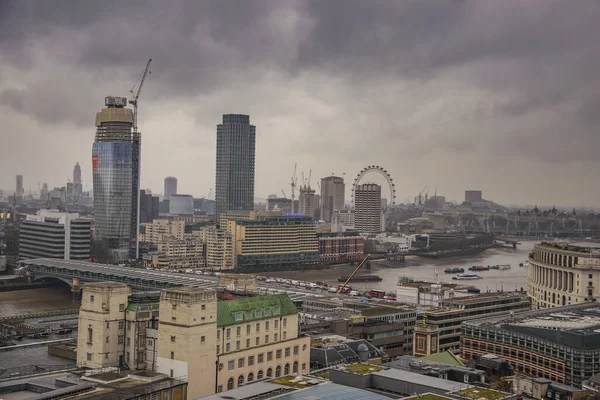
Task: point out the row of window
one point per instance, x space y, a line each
260 358
260 375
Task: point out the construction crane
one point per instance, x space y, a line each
293 182
352 274
136 95
421 195
284 195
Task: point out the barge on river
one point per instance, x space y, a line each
362 278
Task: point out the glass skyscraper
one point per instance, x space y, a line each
235 164
115 169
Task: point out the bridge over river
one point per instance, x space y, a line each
77 273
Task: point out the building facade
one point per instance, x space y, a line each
561 274
308 201
181 204
279 204
170 187
236 140
561 343
115 169
160 230
333 196
367 200
185 253
19 189
54 234
341 247
149 206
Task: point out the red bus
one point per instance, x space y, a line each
379 294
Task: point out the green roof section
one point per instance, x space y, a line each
230 312
137 307
447 357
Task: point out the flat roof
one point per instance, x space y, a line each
331 391
423 380
564 246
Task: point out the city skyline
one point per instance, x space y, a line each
506 106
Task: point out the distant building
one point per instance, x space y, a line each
473 196
170 187
341 247
236 140
77 174
54 234
368 216
181 204
177 253
149 207
116 173
333 191
308 201
19 190
343 220
162 229
279 204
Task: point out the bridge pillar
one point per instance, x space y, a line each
76 289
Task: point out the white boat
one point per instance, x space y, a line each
524 264
460 277
504 267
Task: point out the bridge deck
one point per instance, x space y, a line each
94 272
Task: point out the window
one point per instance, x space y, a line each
237 345
266 325
304 347
89 356
270 373
241 362
218 335
250 360
250 377
230 365
91 298
240 380
284 335
106 356
108 325
220 366
90 335
269 356
303 367
218 349
120 341
228 333
204 306
230 384
260 374
258 327
121 307
174 307
121 324
276 323
286 369
128 341
238 331
295 349
266 339
202 339
278 354
238 316
275 337
172 355
247 343
247 329
128 325
257 341
287 351
295 367
219 388
228 347
128 356
278 371
260 357
285 322
172 339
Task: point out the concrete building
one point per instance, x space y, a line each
279 204
54 234
162 229
19 189
181 204
149 207
77 174
367 200
333 193
308 201
343 220
170 187
341 247
236 140
560 343
185 253
440 328
219 250
562 274
472 196
116 177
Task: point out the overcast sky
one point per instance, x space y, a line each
503 96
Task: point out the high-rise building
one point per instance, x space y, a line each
181 204
367 200
333 192
170 187
148 207
20 191
308 201
54 234
115 168
235 164
77 174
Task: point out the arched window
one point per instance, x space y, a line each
240 380
295 367
278 371
230 384
250 377
286 369
259 375
270 373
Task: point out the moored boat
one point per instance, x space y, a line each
479 268
460 277
455 270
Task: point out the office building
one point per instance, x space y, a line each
177 254
54 234
279 204
440 328
562 274
219 249
472 196
170 187
560 343
162 229
115 169
269 239
235 164
341 247
367 200
181 204
20 190
77 174
308 201
149 207
333 192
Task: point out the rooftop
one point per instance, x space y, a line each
254 308
421 380
481 393
588 250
